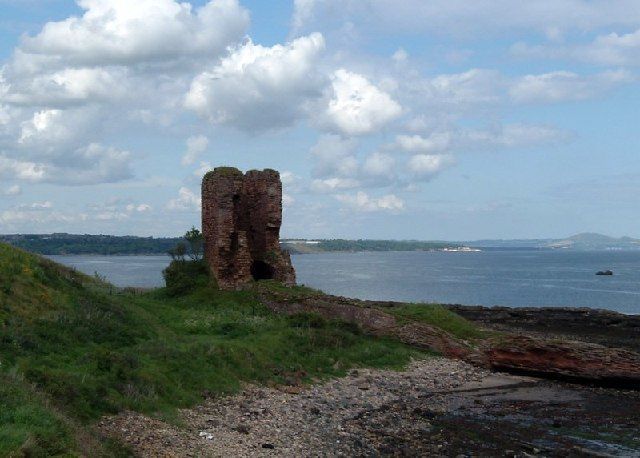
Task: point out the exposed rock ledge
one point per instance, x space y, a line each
605 327
512 352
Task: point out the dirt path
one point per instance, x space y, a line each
438 407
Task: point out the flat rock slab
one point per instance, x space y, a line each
437 407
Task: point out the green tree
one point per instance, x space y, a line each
178 252
196 243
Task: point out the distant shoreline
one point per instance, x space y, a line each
110 245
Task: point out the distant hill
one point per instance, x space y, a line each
590 241
585 241
54 244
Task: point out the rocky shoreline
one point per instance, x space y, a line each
436 407
599 326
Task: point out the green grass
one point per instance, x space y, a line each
71 351
27 426
440 317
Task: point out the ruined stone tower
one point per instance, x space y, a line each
241 219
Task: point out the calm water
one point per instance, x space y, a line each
512 278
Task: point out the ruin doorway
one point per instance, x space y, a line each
260 270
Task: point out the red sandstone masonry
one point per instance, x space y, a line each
241 219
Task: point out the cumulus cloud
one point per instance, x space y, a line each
117 63
564 86
259 88
361 201
121 32
187 200
93 164
426 166
196 145
357 106
69 86
51 132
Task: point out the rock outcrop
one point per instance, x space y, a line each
241 219
555 358
573 360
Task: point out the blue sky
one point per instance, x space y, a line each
446 119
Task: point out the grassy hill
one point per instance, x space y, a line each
73 349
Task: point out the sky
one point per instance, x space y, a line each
428 120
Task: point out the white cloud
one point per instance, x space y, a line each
612 49
69 86
379 165
196 145
453 95
565 86
357 106
288 178
202 169
287 200
334 156
93 164
88 76
5 117
14 190
44 124
400 56
25 219
124 32
437 142
21 170
426 166
329 185
41 205
50 135
187 200
140 208
259 88
509 136
361 201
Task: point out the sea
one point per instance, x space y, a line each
504 277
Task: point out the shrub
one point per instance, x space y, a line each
182 277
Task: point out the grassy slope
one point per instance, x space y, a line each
71 352
440 317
